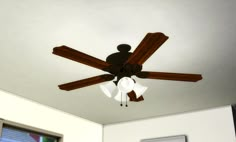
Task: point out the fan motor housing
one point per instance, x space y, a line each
119 67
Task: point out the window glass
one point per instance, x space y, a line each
11 134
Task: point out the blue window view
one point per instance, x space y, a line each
10 134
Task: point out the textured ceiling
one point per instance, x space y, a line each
201 40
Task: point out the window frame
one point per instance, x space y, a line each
167 138
29 129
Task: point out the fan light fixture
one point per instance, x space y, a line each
139 89
124 86
108 88
120 96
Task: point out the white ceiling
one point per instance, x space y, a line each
202 39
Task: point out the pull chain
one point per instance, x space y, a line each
126 101
121 99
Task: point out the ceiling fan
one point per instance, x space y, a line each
122 64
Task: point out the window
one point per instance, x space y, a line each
180 138
14 132
234 116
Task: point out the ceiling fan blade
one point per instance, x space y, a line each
170 76
86 82
150 43
133 97
80 57
140 99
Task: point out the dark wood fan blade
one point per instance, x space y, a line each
150 43
80 57
133 97
86 82
140 99
170 76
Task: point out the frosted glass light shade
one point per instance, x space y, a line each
125 84
108 88
139 89
118 97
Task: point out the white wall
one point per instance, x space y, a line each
215 125
26 112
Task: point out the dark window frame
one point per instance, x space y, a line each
234 116
167 138
29 129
